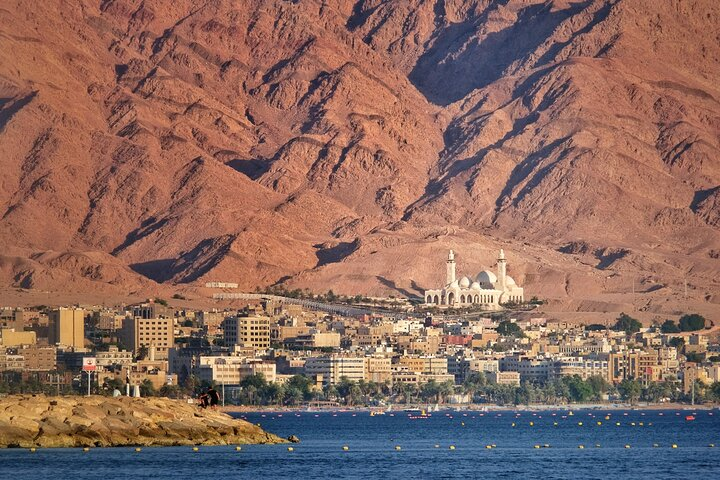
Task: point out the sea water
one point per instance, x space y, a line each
447 444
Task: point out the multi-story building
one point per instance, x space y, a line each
583 367
157 335
11 338
250 331
331 368
378 369
531 369
504 378
66 328
114 356
642 366
39 358
232 370
427 365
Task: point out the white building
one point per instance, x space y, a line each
487 290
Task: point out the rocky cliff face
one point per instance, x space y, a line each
39 421
320 143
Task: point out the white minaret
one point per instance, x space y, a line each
451 268
502 271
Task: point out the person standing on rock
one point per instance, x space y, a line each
204 400
214 397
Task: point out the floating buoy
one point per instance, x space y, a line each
290 449
674 446
513 425
196 449
138 449
237 449
397 447
452 447
599 423
532 424
579 424
618 424
462 423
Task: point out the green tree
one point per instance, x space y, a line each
630 390
669 326
509 329
677 342
580 391
599 386
147 389
625 323
595 327
692 322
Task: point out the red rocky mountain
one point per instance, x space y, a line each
349 144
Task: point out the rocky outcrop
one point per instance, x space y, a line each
40 421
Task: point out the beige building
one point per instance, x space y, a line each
332 368
155 334
114 356
10 338
252 331
378 369
66 327
426 365
232 370
39 358
504 378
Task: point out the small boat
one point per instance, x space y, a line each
689 418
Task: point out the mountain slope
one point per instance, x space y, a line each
348 144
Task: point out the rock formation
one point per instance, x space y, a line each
178 142
40 421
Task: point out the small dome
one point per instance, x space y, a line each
486 276
464 282
453 284
475 286
509 280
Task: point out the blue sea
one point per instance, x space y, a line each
425 449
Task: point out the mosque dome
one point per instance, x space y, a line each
509 280
475 286
486 276
464 282
453 284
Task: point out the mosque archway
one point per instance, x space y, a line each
437 300
451 298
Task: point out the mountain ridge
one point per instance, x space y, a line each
311 145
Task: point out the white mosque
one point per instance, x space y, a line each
487 290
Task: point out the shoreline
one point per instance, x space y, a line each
474 407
